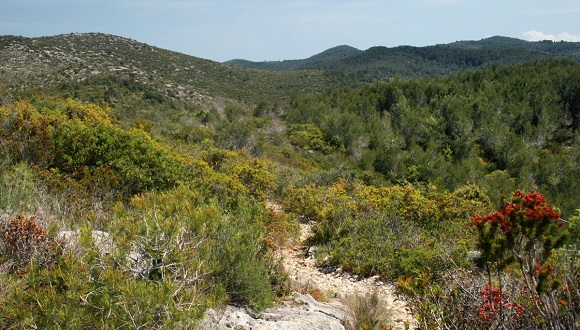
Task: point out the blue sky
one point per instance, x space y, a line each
275 30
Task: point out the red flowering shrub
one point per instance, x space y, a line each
523 210
526 231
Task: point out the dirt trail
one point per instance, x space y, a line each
337 285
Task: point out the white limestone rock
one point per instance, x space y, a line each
302 312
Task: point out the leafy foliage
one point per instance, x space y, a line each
496 128
79 141
184 235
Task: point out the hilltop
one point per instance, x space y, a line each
332 54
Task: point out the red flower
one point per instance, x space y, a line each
518 193
478 220
532 199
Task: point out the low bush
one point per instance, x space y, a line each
188 239
368 312
22 240
79 141
308 137
82 295
17 188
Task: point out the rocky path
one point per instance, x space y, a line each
333 290
340 286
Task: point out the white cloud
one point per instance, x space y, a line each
534 35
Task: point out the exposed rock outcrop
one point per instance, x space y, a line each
70 239
301 312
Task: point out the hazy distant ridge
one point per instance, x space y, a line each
408 61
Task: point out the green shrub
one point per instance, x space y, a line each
574 230
303 201
138 163
25 134
387 231
79 294
240 260
308 137
226 250
18 188
78 140
256 178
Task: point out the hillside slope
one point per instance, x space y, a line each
63 63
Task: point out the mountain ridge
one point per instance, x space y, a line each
380 62
108 68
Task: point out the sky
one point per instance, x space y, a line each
272 30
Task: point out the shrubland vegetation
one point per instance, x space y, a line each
140 209
500 128
185 234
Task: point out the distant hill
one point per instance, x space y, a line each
101 67
493 42
332 54
379 63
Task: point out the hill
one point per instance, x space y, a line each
105 69
332 54
380 63
94 63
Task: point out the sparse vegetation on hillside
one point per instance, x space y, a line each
116 68
313 62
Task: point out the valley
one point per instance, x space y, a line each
447 174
